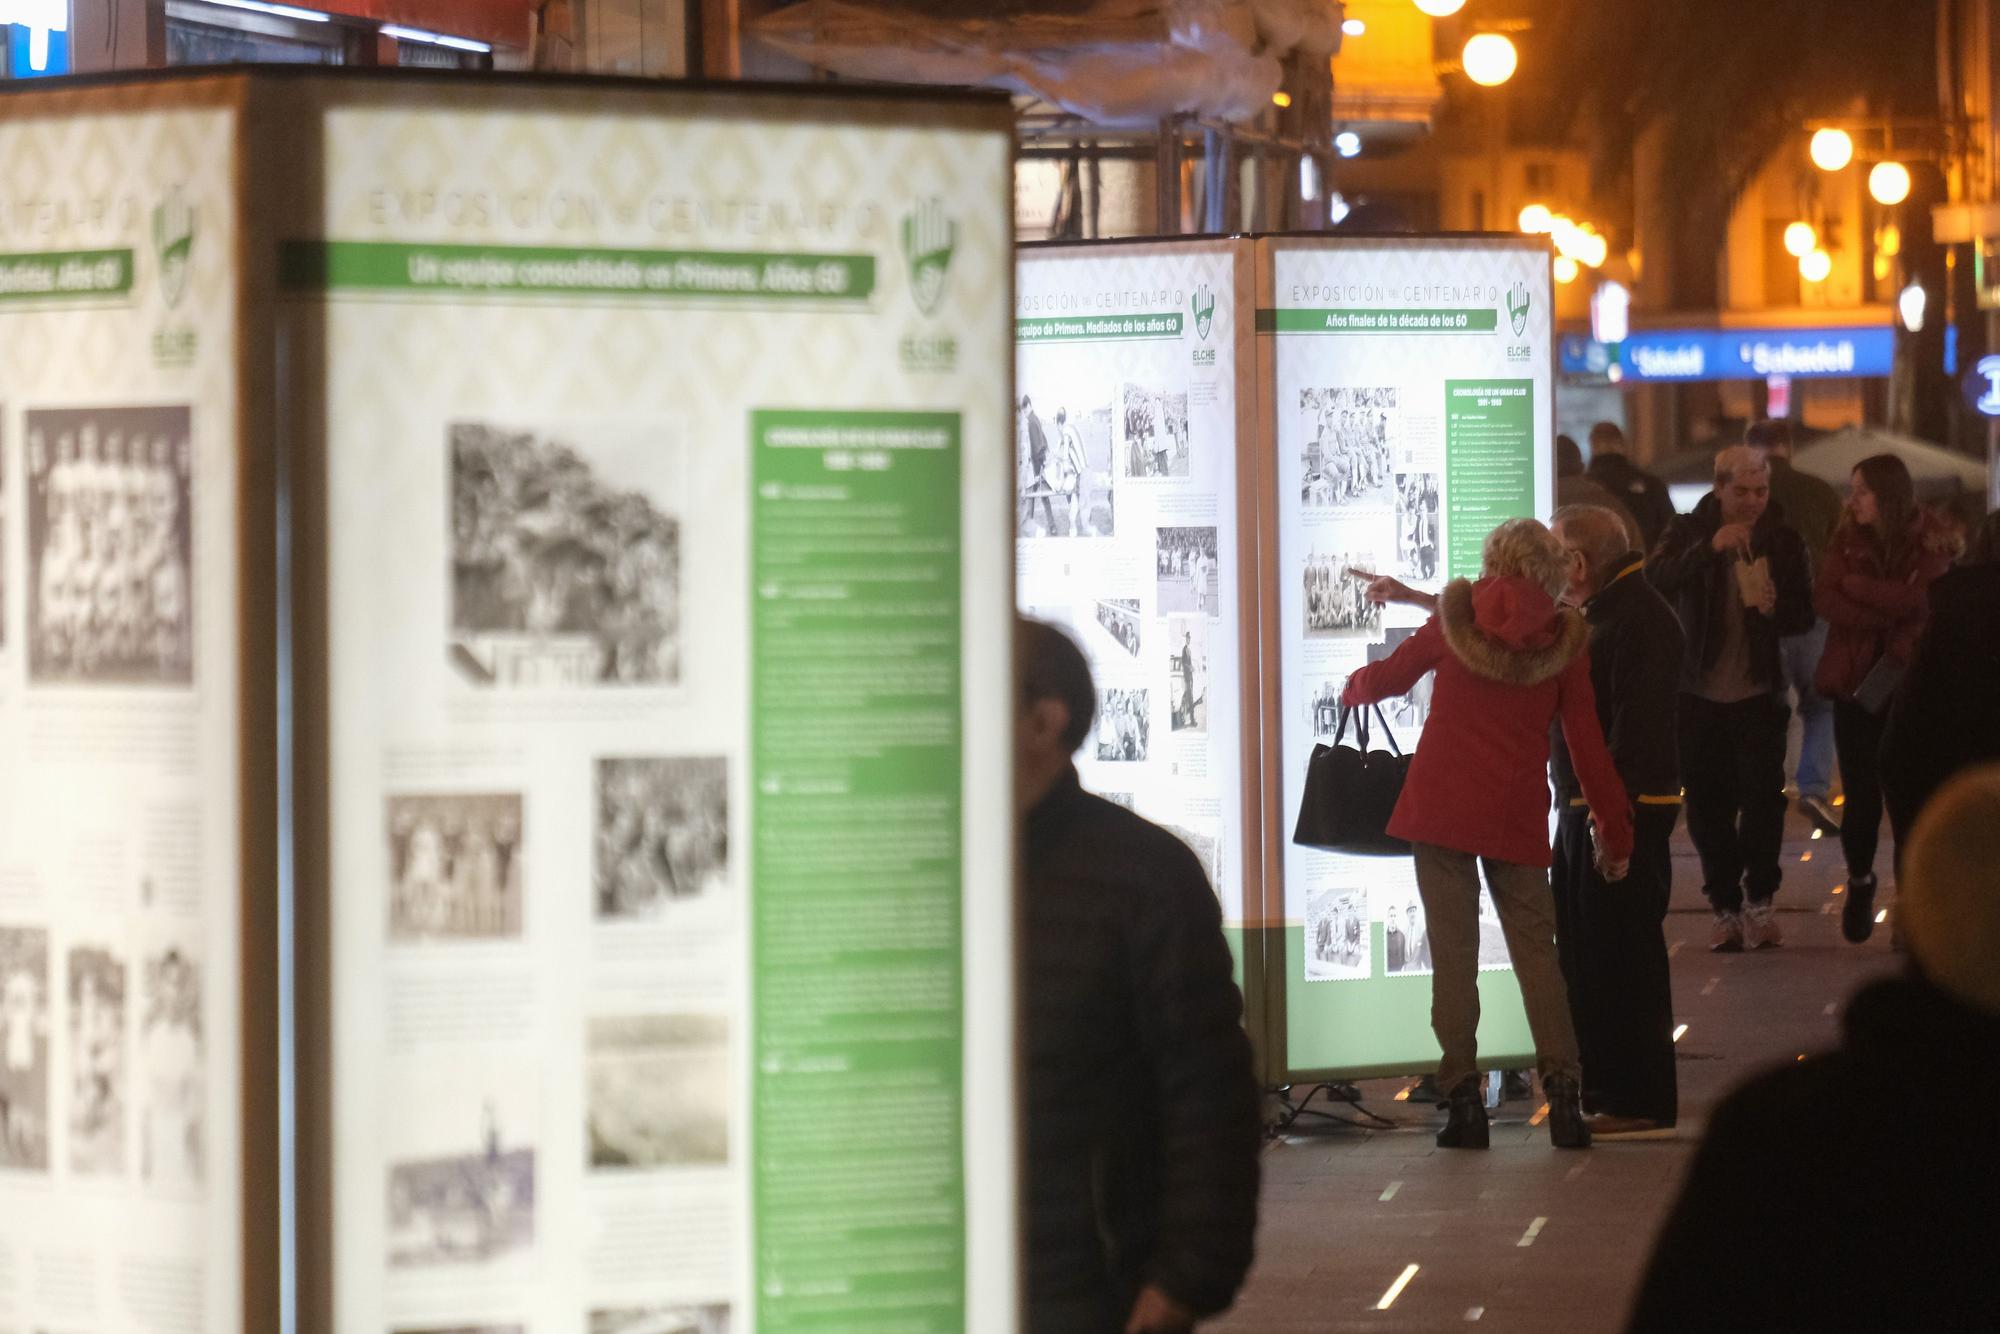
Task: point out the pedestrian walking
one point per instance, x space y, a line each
1946 716
1812 509
1809 1208
1740 581
1508 662
1143 1124
1611 939
1574 488
1639 491
1873 590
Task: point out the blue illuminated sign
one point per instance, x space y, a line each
22 50
1757 354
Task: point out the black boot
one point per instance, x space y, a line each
1466 1128
1857 915
1566 1127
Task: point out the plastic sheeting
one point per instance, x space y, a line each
1121 63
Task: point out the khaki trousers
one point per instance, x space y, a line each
1448 883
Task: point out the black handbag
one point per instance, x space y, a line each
1351 792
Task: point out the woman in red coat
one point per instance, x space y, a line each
1873 590
1508 662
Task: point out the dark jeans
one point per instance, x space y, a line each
1613 946
1733 767
1857 737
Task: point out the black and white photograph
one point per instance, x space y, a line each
1493 953
1417 526
1189 579
657 1091
171 1074
1156 432
99 1067
1063 468
1406 714
1349 436
565 557
468 1204
662 834
1119 618
1337 945
1336 595
1323 707
1205 844
24 1048
110 528
1187 674
1406 939
454 866
1125 799
1124 724
666 1318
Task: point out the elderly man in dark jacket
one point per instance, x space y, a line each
1611 938
1143 1126
1740 581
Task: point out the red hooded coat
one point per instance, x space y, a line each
1508 660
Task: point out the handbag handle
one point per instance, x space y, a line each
1360 715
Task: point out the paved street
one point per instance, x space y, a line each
1523 1237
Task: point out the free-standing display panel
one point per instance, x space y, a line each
1136 529
650 492
1406 410
138 1089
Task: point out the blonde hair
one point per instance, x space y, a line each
1951 916
1525 548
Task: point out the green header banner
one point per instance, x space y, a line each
470 270
1099 328
1415 320
65 275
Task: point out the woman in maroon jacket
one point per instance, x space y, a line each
1873 590
1508 661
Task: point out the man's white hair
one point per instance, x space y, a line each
1738 461
1525 548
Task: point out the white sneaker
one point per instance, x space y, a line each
1760 927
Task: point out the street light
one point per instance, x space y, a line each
1815 265
1831 149
1566 269
1800 239
1353 27
1440 9
1889 182
1910 304
1347 143
1536 219
1490 59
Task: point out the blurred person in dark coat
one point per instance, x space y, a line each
1612 938
1143 1122
1573 487
1812 1208
1638 490
1946 715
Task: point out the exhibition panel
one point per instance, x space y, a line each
1406 409
1135 529
652 499
130 911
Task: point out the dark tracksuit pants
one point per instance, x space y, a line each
1733 768
1612 941
1857 736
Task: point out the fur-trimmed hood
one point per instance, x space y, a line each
1934 538
1507 629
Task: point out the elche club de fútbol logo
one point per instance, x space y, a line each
1517 307
929 237
1203 307
173 245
